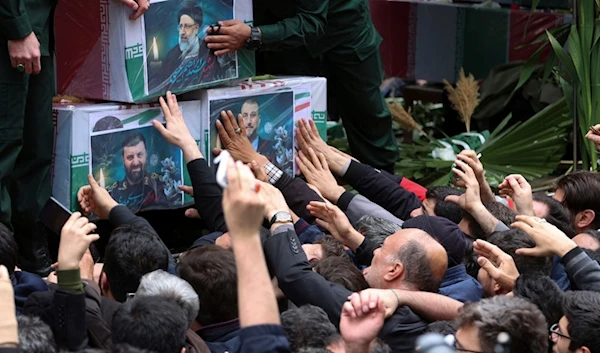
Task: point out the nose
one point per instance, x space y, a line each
181 31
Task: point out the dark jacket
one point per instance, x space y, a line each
303 286
381 190
457 284
263 338
298 195
25 284
221 337
207 195
64 312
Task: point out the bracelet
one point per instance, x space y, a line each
397 297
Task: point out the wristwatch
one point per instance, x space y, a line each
255 40
281 217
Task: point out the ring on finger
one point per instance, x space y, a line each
238 130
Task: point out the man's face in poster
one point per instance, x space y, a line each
251 117
188 33
134 161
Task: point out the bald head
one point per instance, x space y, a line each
408 259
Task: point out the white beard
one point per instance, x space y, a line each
190 46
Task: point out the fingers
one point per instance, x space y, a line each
218 39
470 158
241 125
192 213
165 108
223 52
130 3
323 161
232 177
187 189
160 127
468 173
216 151
308 166
4 273
313 128
222 135
93 183
28 67
37 66
143 5
452 198
314 159
488 267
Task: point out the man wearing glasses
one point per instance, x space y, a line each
577 331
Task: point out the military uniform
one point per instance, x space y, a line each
146 195
26 129
335 38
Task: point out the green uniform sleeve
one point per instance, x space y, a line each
70 281
303 29
14 22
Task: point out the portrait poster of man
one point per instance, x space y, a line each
269 123
176 54
137 166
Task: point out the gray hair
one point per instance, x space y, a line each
376 229
162 284
35 336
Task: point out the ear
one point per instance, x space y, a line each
395 272
584 218
105 286
498 290
584 349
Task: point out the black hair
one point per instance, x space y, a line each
444 208
543 292
498 210
582 309
340 270
132 252
511 240
444 328
212 273
308 326
192 9
9 252
555 208
331 247
132 139
152 323
581 192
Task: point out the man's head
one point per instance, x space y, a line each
509 241
502 213
211 272
135 157
8 249
544 206
579 193
340 270
162 284
543 292
130 253
577 330
328 246
408 259
435 204
308 326
153 323
376 229
190 18
35 336
251 117
480 323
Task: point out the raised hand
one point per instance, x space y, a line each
498 264
75 240
517 187
471 198
337 224
94 198
317 173
549 240
361 319
233 137
243 208
470 157
594 136
177 132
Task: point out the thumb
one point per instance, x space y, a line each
130 3
192 213
187 189
217 151
488 266
527 252
93 183
160 127
452 198
93 237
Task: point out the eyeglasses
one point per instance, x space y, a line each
555 333
186 26
459 349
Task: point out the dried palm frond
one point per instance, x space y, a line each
403 117
465 97
63 99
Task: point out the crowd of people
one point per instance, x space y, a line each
304 265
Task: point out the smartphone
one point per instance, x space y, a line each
54 215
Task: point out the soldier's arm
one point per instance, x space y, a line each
305 28
14 21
